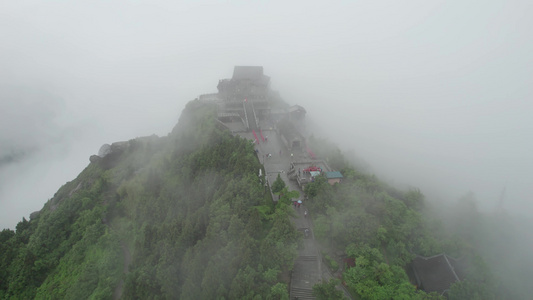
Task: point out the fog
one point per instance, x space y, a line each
435 94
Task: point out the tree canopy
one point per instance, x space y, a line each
182 216
186 216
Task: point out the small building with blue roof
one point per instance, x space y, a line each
334 177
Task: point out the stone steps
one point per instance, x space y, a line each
300 293
307 258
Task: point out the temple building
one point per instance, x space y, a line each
247 82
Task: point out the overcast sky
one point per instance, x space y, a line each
434 94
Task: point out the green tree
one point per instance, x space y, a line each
286 196
414 199
328 291
313 188
470 290
279 292
278 185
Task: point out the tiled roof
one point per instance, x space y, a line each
334 174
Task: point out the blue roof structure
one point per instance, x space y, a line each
334 174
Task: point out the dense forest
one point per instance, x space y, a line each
383 229
185 216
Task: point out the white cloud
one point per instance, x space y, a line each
433 93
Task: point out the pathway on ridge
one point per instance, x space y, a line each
308 269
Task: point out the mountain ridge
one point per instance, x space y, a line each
187 216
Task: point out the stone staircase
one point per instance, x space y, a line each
307 258
299 293
302 283
291 174
250 115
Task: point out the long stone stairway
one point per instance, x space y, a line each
250 115
304 277
307 270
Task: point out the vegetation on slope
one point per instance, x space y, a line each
184 216
382 229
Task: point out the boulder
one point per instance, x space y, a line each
104 150
119 147
95 158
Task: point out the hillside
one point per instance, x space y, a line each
186 216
